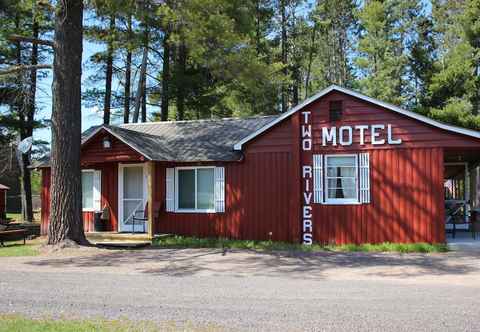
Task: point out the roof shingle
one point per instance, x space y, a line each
183 141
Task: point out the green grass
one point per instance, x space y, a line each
14 323
14 216
18 216
17 323
13 249
192 242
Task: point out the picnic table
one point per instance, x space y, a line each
12 233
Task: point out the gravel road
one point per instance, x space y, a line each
248 291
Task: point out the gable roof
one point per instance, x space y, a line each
184 141
306 102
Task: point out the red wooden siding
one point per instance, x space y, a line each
109 198
94 152
357 112
45 201
406 180
257 202
406 202
277 139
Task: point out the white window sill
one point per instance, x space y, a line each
193 211
342 202
88 210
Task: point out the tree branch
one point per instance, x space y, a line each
31 40
16 69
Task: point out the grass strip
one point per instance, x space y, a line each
193 242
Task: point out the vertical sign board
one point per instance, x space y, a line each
306 143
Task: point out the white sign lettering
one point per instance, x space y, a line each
306 130
378 135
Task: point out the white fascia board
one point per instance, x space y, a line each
419 117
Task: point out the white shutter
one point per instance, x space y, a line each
318 178
97 190
170 190
364 177
219 189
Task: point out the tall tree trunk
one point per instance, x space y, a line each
310 60
109 74
128 74
142 79
20 107
66 188
30 117
165 75
182 64
284 54
144 105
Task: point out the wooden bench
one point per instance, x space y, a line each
12 234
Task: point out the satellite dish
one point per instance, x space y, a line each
25 145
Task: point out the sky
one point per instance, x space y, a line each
44 97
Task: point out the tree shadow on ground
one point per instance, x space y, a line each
242 263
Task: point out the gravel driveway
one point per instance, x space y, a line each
244 290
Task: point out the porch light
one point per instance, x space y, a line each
107 144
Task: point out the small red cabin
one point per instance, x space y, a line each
3 201
339 168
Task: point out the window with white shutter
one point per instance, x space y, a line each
318 178
341 178
364 170
170 190
196 189
219 189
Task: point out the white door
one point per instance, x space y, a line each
132 196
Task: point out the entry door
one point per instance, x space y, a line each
132 197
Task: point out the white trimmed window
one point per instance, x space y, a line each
195 189
342 178
91 190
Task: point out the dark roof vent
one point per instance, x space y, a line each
336 110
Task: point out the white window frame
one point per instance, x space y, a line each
341 201
177 192
92 209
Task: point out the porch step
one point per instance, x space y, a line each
127 238
123 244
96 237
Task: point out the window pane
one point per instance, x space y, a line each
205 188
341 161
341 183
186 189
87 190
133 182
341 177
341 171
